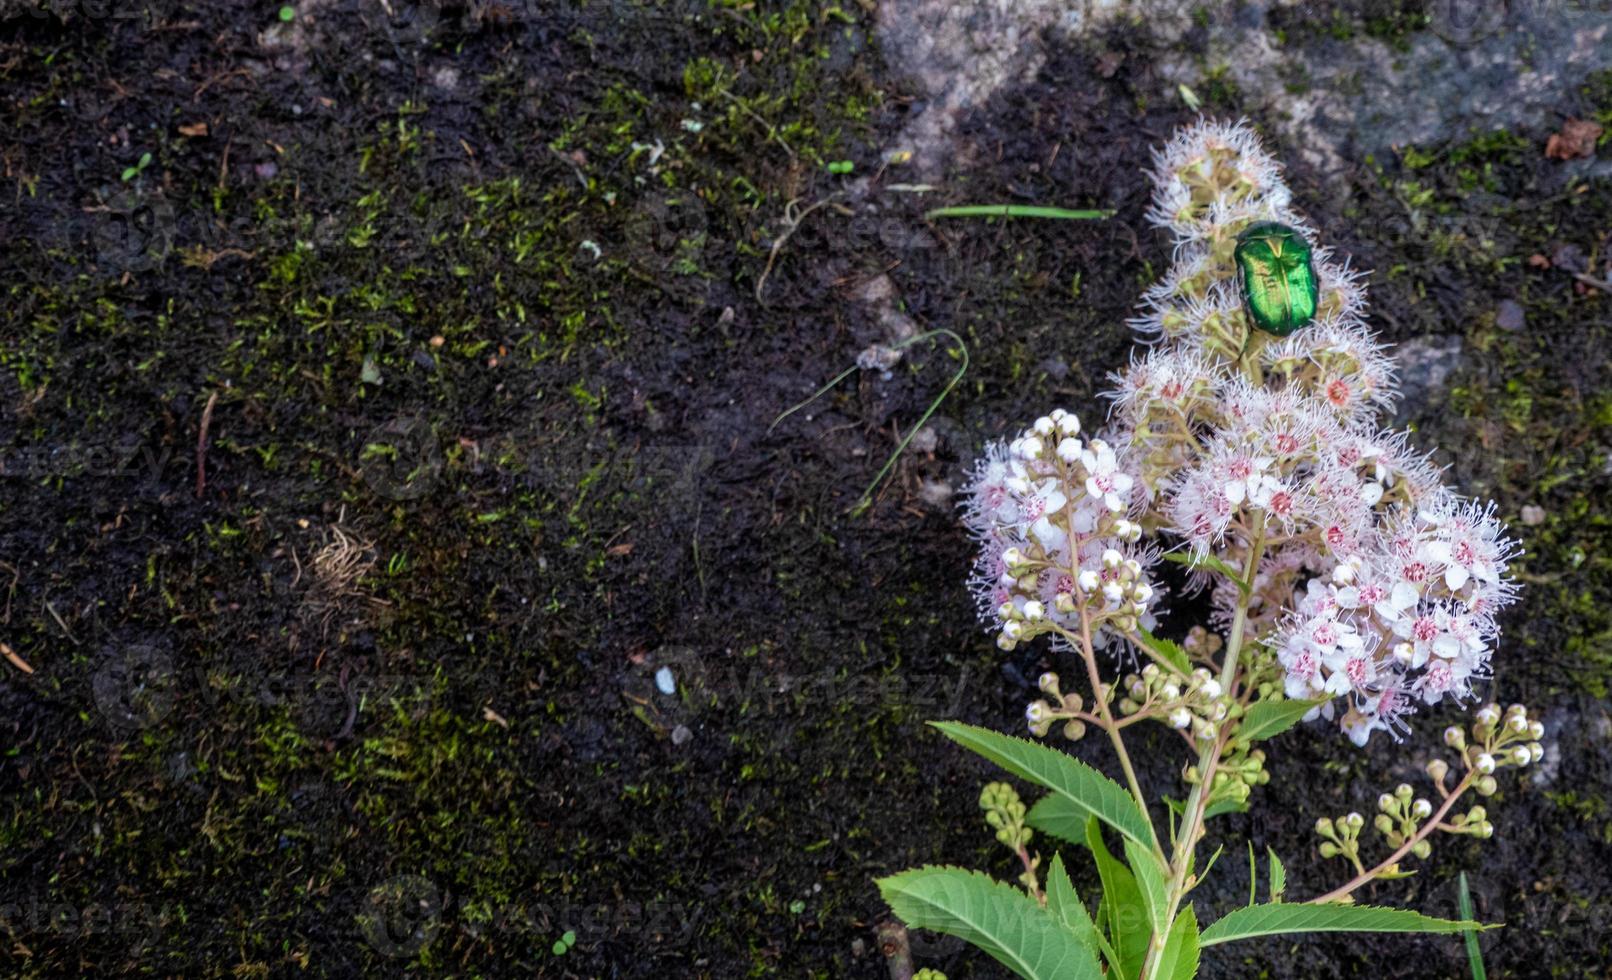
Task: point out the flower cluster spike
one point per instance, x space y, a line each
1376 589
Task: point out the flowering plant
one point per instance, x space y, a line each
1345 583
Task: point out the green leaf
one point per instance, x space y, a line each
1123 911
1270 920
1060 818
1179 958
1279 877
1267 719
996 917
1084 787
1168 651
1150 883
1066 907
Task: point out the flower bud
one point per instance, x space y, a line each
1329 849
1484 763
1006 643
1043 426
1180 718
1536 730
1438 769
1486 830
1012 557
1068 450
1421 809
1486 786
1013 629
1112 558
1386 803
1477 814
1520 756
1356 821
1404 653
1536 751
1030 447
1454 737
1048 682
1323 826
1517 724
1142 593
1383 824
1069 425
1489 715
1133 568
1422 849
1150 671
1037 711
1006 610
1210 689
1404 791
1034 610
1089 581
1075 730
1172 692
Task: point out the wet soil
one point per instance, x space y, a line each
380 452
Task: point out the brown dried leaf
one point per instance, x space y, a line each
1575 141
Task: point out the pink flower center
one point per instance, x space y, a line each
1338 393
1286 444
1356 670
1425 630
1415 572
1335 535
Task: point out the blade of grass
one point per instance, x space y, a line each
1474 955
1014 211
866 500
889 464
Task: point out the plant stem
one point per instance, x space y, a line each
1428 826
1198 799
1108 725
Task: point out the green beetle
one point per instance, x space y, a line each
1278 273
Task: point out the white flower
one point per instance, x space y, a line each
1104 481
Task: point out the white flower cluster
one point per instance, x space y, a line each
1057 547
1375 583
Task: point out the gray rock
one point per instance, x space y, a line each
1425 365
1509 315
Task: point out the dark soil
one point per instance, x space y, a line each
368 452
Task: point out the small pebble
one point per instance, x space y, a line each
665 682
1533 515
681 735
1509 315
